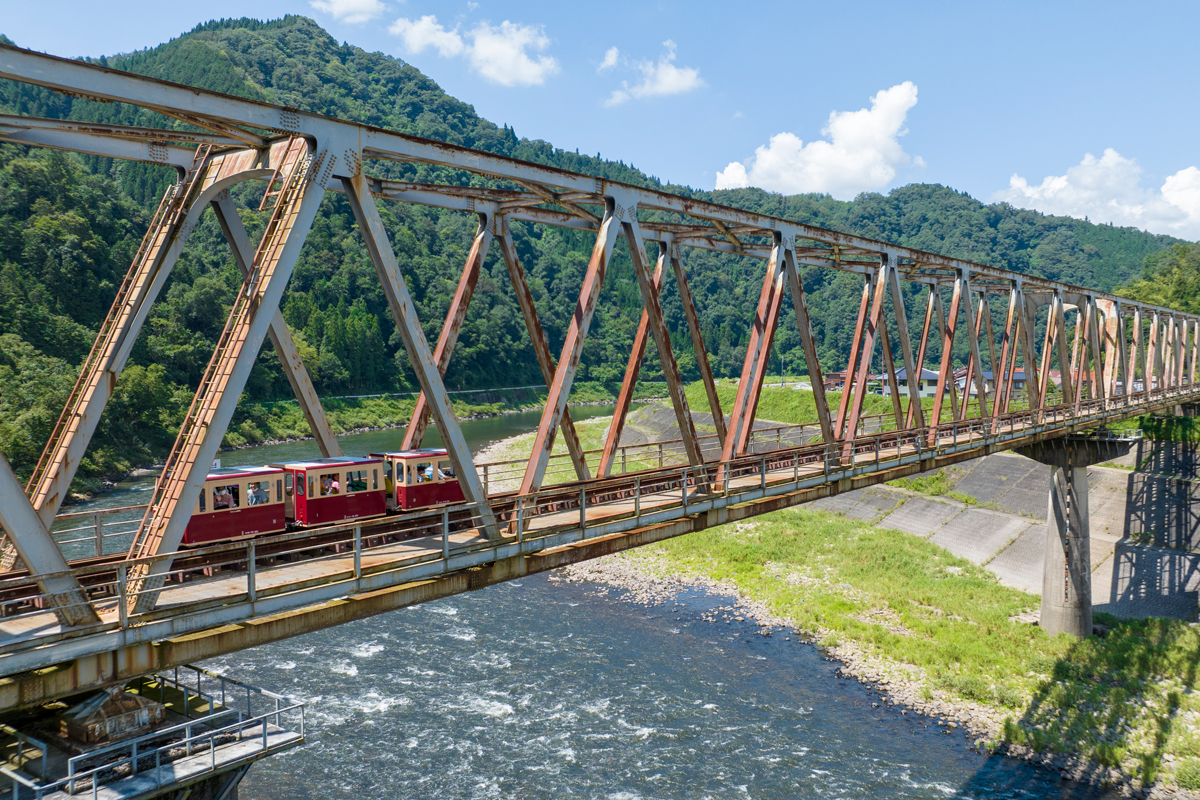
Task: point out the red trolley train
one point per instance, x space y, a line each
328 490
237 501
416 478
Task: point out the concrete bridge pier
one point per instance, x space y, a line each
1067 576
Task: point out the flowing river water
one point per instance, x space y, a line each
543 689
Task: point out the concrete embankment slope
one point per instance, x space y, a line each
1144 512
1145 525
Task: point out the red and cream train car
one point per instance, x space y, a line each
237 501
329 490
417 478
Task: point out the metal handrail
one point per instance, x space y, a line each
885 448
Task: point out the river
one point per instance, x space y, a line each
539 689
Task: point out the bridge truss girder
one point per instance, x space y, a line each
253 134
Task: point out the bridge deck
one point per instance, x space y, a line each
280 578
249 593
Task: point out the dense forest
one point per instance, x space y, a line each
70 224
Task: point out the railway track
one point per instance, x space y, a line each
331 538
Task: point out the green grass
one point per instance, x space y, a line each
1125 700
932 483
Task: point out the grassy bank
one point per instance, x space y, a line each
945 625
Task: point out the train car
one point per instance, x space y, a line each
417 478
235 502
327 490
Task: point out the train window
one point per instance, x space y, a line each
410 471
227 496
446 470
287 484
310 486
331 484
374 479
356 480
258 493
201 500
425 472
278 491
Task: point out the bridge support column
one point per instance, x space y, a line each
1067 576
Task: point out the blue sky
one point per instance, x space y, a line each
1086 109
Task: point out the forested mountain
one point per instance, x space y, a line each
70 224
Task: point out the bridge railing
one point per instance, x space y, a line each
223 715
105 530
221 584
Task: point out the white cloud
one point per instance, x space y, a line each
658 79
354 12
610 59
499 54
862 153
419 35
1108 189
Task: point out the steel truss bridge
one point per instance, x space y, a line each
88 623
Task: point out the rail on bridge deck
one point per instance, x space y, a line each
1113 358
226 597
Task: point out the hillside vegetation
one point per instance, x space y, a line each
69 225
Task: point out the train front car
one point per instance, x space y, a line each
323 491
236 502
418 478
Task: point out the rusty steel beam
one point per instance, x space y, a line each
869 336
254 122
949 327
759 376
906 352
864 308
809 344
1177 351
40 553
568 362
662 342
1008 356
1061 330
625 397
1123 365
926 328
1098 390
974 361
1154 359
758 333
1080 359
404 311
942 331
541 345
889 370
456 314
281 337
1137 350
693 321
986 311
1033 380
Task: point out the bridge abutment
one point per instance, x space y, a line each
1067 576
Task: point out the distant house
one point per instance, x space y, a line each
926 385
835 381
960 380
